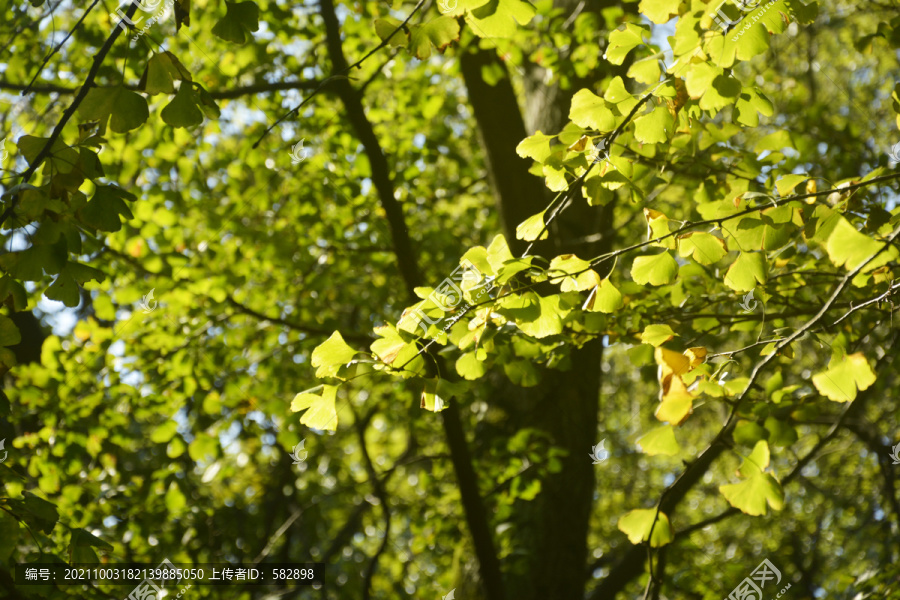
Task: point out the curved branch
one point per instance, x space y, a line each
69 112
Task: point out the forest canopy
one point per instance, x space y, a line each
476 299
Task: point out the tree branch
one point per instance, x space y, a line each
69 112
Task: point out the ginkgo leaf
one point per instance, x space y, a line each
388 28
677 403
182 111
128 109
622 41
469 367
591 111
758 488
431 399
320 408
645 70
705 248
438 33
654 127
659 11
696 355
240 20
604 298
9 333
532 227
584 278
659 269
494 18
849 248
548 322
658 228
672 362
536 146
660 441
657 335
331 355
746 272
394 350
637 524
751 495
785 185
844 377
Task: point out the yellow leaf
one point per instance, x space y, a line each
321 413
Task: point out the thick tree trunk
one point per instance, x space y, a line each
551 531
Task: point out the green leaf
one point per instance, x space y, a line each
440 33
638 523
9 333
159 77
182 111
849 248
548 322
388 26
751 102
844 377
9 287
654 127
724 91
659 11
469 367
9 533
322 413
604 298
704 247
536 146
495 18
331 355
746 272
128 109
646 70
591 111
657 335
622 41
241 18
660 441
83 537
758 488
431 398
531 228
31 264
102 212
785 185
585 279
659 269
